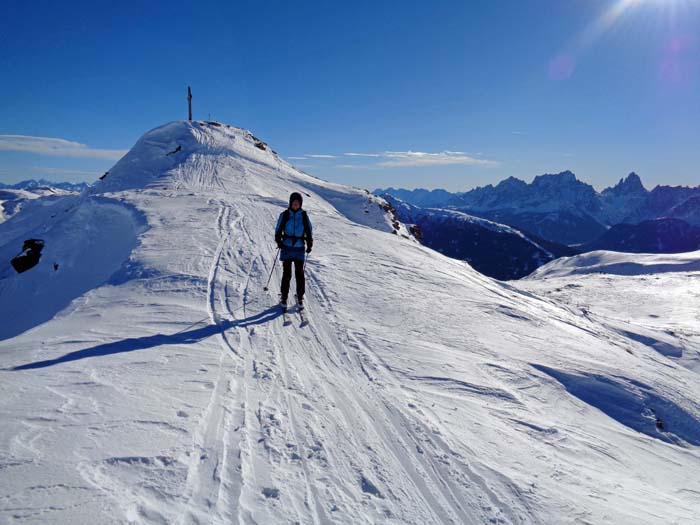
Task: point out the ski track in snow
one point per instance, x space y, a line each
266 369
429 394
208 485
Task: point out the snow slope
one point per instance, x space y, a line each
87 239
13 200
619 263
421 392
658 310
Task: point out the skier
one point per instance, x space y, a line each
292 233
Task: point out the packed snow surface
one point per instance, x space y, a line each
420 392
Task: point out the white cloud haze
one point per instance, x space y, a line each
64 171
352 166
403 159
362 154
420 158
56 147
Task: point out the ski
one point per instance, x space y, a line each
287 320
302 314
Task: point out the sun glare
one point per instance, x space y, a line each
564 64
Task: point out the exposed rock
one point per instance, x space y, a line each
29 257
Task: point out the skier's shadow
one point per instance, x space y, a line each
142 343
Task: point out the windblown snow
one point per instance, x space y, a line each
163 387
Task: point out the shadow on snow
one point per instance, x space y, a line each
633 404
141 343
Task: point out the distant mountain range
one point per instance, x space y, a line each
31 184
14 197
496 250
563 209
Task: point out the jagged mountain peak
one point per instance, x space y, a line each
632 184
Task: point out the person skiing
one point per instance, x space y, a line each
294 238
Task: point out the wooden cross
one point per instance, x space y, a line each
189 101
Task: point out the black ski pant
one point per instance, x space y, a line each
287 277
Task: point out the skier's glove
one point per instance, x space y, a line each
280 245
309 245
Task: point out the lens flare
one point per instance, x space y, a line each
563 65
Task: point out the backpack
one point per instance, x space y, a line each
305 222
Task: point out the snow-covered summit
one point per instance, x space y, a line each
209 156
148 377
158 154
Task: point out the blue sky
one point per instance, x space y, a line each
431 94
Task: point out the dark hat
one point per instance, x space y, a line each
296 196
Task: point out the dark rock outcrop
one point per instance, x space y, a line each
29 256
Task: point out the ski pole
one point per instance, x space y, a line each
272 269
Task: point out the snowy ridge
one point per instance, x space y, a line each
421 391
13 200
619 263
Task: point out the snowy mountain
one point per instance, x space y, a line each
629 202
627 199
563 209
546 193
678 202
34 184
556 207
13 200
152 380
493 249
422 198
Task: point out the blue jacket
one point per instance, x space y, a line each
293 234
